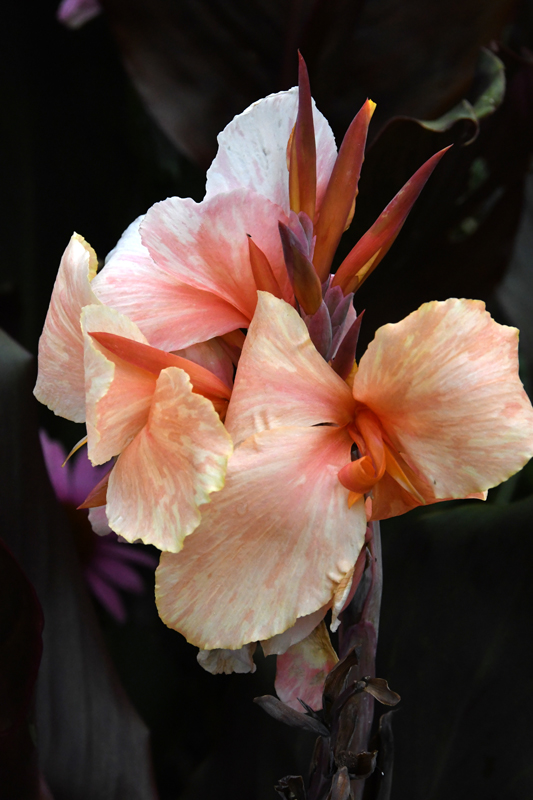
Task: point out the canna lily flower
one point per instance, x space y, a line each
278 198
158 412
435 411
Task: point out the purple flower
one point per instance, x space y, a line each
75 13
108 564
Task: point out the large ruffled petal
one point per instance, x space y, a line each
170 468
252 150
60 382
119 395
282 380
272 547
444 384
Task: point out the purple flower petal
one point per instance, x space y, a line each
108 597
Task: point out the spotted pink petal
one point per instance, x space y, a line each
282 380
60 381
300 630
302 670
228 661
272 547
444 384
119 395
170 468
252 150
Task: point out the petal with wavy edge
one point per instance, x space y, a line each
118 394
444 384
252 150
303 626
302 670
204 246
170 468
60 381
228 661
272 547
282 379
171 315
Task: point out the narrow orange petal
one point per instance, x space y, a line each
342 190
153 360
359 476
376 242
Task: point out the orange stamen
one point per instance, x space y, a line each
340 195
399 474
75 449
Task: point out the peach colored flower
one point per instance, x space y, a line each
158 412
193 269
436 411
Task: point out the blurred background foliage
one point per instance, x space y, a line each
98 124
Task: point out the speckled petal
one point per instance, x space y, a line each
282 379
272 547
444 384
252 150
170 468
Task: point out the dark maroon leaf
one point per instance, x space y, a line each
379 688
286 714
291 788
459 236
340 786
92 745
21 624
197 63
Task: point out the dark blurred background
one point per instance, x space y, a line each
97 124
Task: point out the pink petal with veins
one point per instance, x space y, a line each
60 380
272 547
170 468
302 670
282 380
252 150
119 395
444 384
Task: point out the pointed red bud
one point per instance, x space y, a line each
265 280
339 201
305 281
302 162
376 242
98 495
